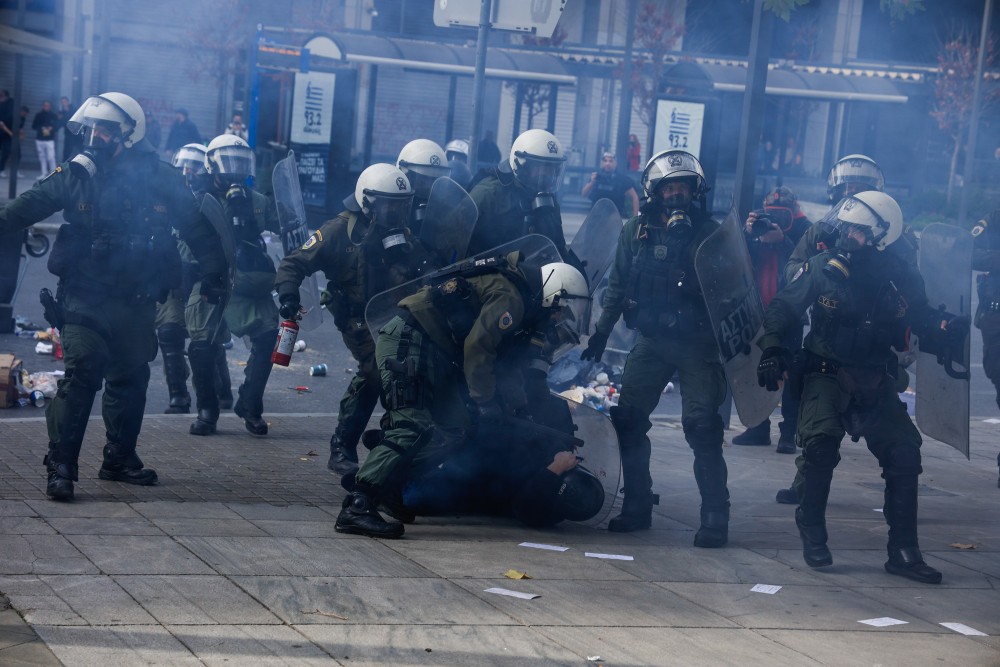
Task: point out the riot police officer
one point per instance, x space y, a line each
460 334
518 197
115 258
250 311
362 253
864 299
457 152
986 257
423 162
653 284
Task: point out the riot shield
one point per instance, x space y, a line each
943 389
212 211
382 307
448 221
600 452
595 242
294 232
725 274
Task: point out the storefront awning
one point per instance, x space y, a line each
828 86
26 43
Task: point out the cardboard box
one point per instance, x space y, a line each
10 378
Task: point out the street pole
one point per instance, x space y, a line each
14 162
625 105
970 147
479 83
753 108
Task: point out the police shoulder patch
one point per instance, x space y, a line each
506 321
979 228
316 237
802 271
449 286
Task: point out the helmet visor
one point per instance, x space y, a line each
234 161
189 160
422 183
99 111
390 211
539 174
861 175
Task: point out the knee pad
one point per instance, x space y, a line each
171 334
622 417
86 376
902 459
822 453
704 431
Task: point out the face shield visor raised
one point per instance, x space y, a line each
191 162
540 174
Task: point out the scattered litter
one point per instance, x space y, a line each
302 389
535 545
349 370
312 452
593 658
878 509
512 594
514 574
43 348
319 370
43 335
324 613
427 650
962 545
765 588
669 388
991 420
589 554
45 382
241 363
299 346
303 458
963 629
883 622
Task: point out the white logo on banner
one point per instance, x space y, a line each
312 109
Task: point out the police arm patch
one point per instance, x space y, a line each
802 271
316 237
506 321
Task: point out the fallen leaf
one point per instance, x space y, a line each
312 452
514 574
961 545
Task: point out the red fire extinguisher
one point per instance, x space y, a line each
287 333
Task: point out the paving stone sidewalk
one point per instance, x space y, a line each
233 559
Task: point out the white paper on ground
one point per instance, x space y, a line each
878 509
590 554
991 420
963 629
883 622
765 588
549 547
513 594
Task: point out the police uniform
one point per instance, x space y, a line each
447 348
848 384
654 285
115 258
506 213
249 312
986 257
356 273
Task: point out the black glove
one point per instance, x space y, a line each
956 330
595 347
290 307
772 367
490 417
213 287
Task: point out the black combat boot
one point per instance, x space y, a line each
900 511
223 382
202 358
359 517
175 368
810 517
786 439
343 454
711 474
250 404
60 476
122 464
789 496
756 436
637 507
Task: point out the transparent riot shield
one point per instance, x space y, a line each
382 307
943 389
725 274
448 221
595 242
212 211
601 455
294 232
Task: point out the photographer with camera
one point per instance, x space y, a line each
772 233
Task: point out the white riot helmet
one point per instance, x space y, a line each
384 195
875 214
117 114
423 162
853 174
537 160
229 156
190 159
565 288
457 149
673 165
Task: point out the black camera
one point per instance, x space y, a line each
761 224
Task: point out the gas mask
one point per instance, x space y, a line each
679 223
853 240
96 154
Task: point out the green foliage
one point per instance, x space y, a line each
901 9
783 8
927 205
